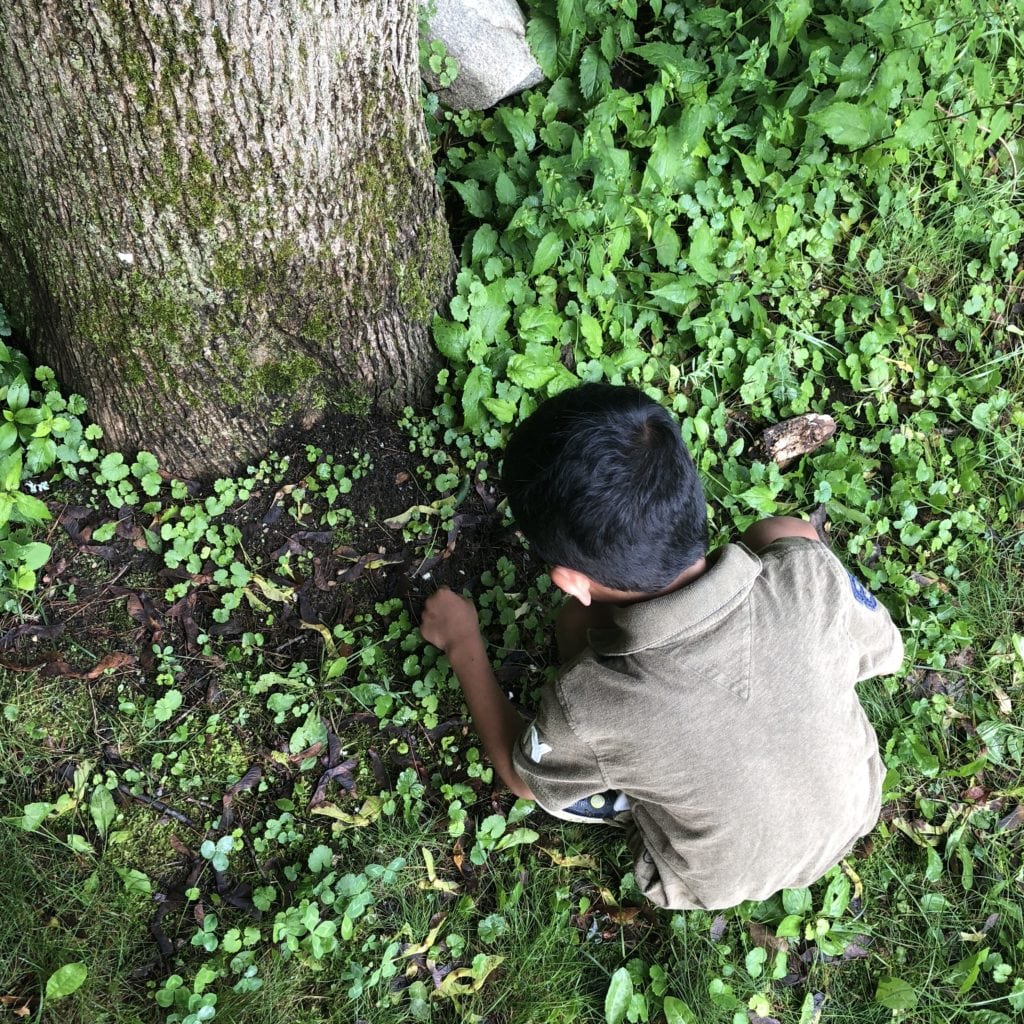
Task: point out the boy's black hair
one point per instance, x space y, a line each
599 480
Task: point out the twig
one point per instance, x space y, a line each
157 805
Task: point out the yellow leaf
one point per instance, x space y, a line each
366 815
403 518
422 947
433 882
272 592
465 980
326 634
858 885
581 860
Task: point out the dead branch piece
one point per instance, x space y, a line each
784 442
157 805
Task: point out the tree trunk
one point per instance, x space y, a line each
218 218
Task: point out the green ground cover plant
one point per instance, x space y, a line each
236 784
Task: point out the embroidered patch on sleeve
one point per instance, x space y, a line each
861 593
538 748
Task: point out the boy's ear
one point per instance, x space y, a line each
572 582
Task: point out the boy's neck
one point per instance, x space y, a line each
607 595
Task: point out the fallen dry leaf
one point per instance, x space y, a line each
111 663
341 774
328 638
858 885
570 861
1013 820
1005 707
761 936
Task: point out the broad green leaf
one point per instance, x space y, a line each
670 57
673 166
754 962
784 217
918 127
102 809
896 994
8 435
113 468
837 896
167 705
542 36
489 312
451 338
666 243
35 555
753 166
80 844
981 75
534 368
479 385
594 72
538 323
517 837
520 125
618 997
10 471
795 13
681 292
33 815
677 1012
570 16
590 329
65 980
618 244
18 394
135 881
966 972
884 19
702 248
844 123
32 510
549 248
797 901
320 858
477 200
501 409
485 242
789 926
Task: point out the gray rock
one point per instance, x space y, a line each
488 40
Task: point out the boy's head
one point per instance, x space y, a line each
599 482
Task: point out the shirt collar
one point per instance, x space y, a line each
685 613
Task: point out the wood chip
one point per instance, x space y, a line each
784 442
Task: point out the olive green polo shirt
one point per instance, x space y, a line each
727 714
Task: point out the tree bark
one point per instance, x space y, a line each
218 218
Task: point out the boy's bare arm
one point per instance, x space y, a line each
762 533
450 623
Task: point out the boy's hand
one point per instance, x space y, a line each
449 621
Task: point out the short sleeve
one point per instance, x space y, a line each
874 634
553 761
874 638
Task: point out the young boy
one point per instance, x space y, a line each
707 701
